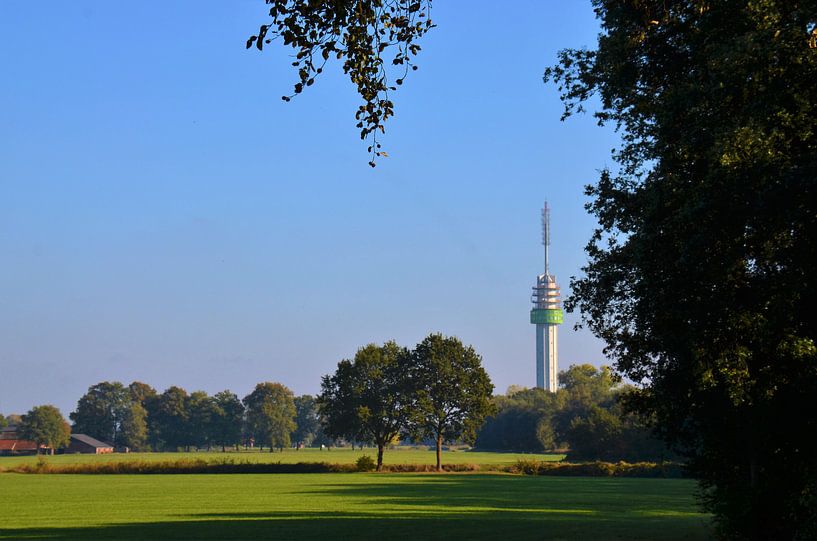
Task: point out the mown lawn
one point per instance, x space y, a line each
346 506
291 456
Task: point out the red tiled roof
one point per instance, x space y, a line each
17 445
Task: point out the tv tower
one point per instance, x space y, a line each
546 314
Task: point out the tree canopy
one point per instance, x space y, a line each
227 419
309 422
700 276
45 425
271 414
452 393
375 39
368 399
101 411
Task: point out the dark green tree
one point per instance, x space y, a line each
452 393
514 428
201 414
368 398
3 421
148 398
583 387
134 429
701 275
169 419
227 419
101 410
141 392
375 40
45 425
524 421
587 385
271 414
307 420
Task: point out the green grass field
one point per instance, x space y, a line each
291 456
347 506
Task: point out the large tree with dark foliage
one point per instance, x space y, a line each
701 275
101 411
169 419
367 399
375 39
227 419
452 392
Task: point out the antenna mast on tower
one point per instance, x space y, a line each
546 233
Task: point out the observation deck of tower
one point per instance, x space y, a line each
546 314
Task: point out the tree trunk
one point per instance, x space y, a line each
439 451
271 448
379 457
52 451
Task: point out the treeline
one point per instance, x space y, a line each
140 418
585 417
438 392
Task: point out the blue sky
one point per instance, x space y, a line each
165 217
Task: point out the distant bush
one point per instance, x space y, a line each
598 469
365 463
428 468
182 466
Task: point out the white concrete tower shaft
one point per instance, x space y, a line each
546 315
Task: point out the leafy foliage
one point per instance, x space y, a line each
361 33
271 414
584 415
368 399
365 463
45 425
700 277
308 421
101 411
169 419
202 412
452 391
227 419
134 428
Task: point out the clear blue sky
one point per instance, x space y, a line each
165 217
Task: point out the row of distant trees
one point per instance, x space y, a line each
586 416
138 417
437 392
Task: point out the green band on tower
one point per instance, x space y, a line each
541 315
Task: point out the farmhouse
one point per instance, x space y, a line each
80 443
11 444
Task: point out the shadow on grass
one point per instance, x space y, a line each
437 507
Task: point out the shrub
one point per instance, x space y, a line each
598 469
365 463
